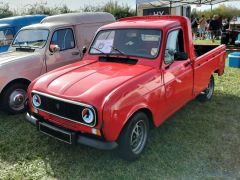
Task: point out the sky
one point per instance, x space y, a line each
78 4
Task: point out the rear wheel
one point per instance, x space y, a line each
207 94
133 138
14 97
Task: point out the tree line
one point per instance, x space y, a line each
119 11
222 10
113 7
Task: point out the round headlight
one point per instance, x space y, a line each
87 115
36 100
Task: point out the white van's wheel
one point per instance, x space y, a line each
207 94
133 138
14 98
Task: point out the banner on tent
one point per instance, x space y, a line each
156 11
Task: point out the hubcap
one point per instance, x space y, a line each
17 99
138 136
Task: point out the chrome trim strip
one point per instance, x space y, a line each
61 99
31 119
55 129
67 101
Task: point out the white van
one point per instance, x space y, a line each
56 41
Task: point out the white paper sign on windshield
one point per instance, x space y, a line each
104 45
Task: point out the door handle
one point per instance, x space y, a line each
75 53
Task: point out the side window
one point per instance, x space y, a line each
64 38
175 43
171 46
6 37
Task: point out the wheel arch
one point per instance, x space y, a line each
19 80
144 110
219 72
149 114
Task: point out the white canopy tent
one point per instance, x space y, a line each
176 3
145 7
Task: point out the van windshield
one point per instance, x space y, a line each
6 37
129 42
33 38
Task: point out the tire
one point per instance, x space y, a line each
133 138
14 97
207 94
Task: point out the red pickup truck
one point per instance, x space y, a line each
136 73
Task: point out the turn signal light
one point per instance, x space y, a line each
34 110
96 132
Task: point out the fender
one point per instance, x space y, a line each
4 84
114 119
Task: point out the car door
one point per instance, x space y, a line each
177 72
67 52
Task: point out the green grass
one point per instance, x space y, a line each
201 141
206 42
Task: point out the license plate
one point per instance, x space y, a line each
55 132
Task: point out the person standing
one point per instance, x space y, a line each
225 24
202 27
194 23
213 27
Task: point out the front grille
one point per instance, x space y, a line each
66 109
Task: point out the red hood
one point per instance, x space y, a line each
88 83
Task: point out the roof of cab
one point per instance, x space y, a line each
159 22
49 26
79 18
21 20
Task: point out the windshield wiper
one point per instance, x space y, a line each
21 45
98 50
116 49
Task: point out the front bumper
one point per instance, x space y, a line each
75 137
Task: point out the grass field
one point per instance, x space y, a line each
204 42
201 141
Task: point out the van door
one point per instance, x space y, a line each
68 52
177 72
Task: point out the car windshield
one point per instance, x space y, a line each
6 37
33 38
128 42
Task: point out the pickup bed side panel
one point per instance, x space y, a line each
206 65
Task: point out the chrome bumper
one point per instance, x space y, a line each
80 139
31 119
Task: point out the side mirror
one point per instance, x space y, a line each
54 48
180 56
84 49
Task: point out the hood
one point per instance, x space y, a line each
88 83
13 56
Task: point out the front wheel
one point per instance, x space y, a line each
133 138
14 97
207 94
